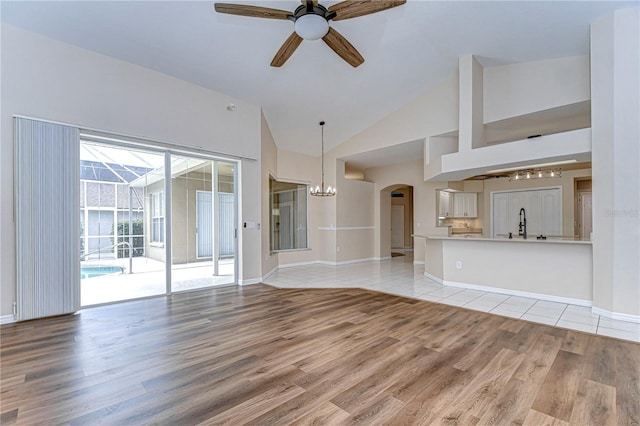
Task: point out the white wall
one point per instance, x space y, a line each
432 113
523 88
615 87
46 79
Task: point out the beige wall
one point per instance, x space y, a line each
295 167
268 163
424 204
566 182
433 265
183 215
95 91
354 209
544 268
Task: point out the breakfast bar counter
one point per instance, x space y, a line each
556 269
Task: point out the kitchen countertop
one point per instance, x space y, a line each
520 240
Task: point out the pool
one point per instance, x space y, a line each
91 271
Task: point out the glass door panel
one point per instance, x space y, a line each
122 253
203 223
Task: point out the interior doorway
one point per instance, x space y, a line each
396 221
583 208
397 226
585 215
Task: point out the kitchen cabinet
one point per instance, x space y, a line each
465 205
543 209
444 204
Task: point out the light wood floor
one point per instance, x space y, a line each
259 355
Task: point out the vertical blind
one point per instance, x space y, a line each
226 228
47 219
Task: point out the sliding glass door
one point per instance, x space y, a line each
121 223
126 233
203 223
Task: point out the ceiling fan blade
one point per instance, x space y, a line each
252 11
353 8
343 48
288 47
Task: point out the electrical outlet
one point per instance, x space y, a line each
338 249
458 264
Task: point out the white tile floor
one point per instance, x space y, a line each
401 277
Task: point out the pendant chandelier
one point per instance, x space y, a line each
319 191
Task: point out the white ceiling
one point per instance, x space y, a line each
407 51
396 154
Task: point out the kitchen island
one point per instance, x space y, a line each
556 269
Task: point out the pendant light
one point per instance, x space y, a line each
319 191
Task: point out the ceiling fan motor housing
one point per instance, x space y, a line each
311 22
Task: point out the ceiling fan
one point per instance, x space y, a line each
311 22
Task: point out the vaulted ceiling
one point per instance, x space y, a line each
408 50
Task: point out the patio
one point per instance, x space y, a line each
148 279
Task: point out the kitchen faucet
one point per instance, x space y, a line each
522 226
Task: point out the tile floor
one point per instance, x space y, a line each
400 276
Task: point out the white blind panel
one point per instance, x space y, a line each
226 229
47 218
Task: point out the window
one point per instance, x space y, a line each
289 208
157 217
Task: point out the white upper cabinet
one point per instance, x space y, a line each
444 205
465 204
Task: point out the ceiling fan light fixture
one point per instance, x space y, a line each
311 26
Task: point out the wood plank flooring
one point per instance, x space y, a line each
264 356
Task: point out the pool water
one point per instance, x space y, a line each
97 271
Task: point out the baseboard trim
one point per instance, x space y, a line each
418 262
327 262
293 265
346 228
433 278
349 262
268 274
7 319
251 281
539 296
616 315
